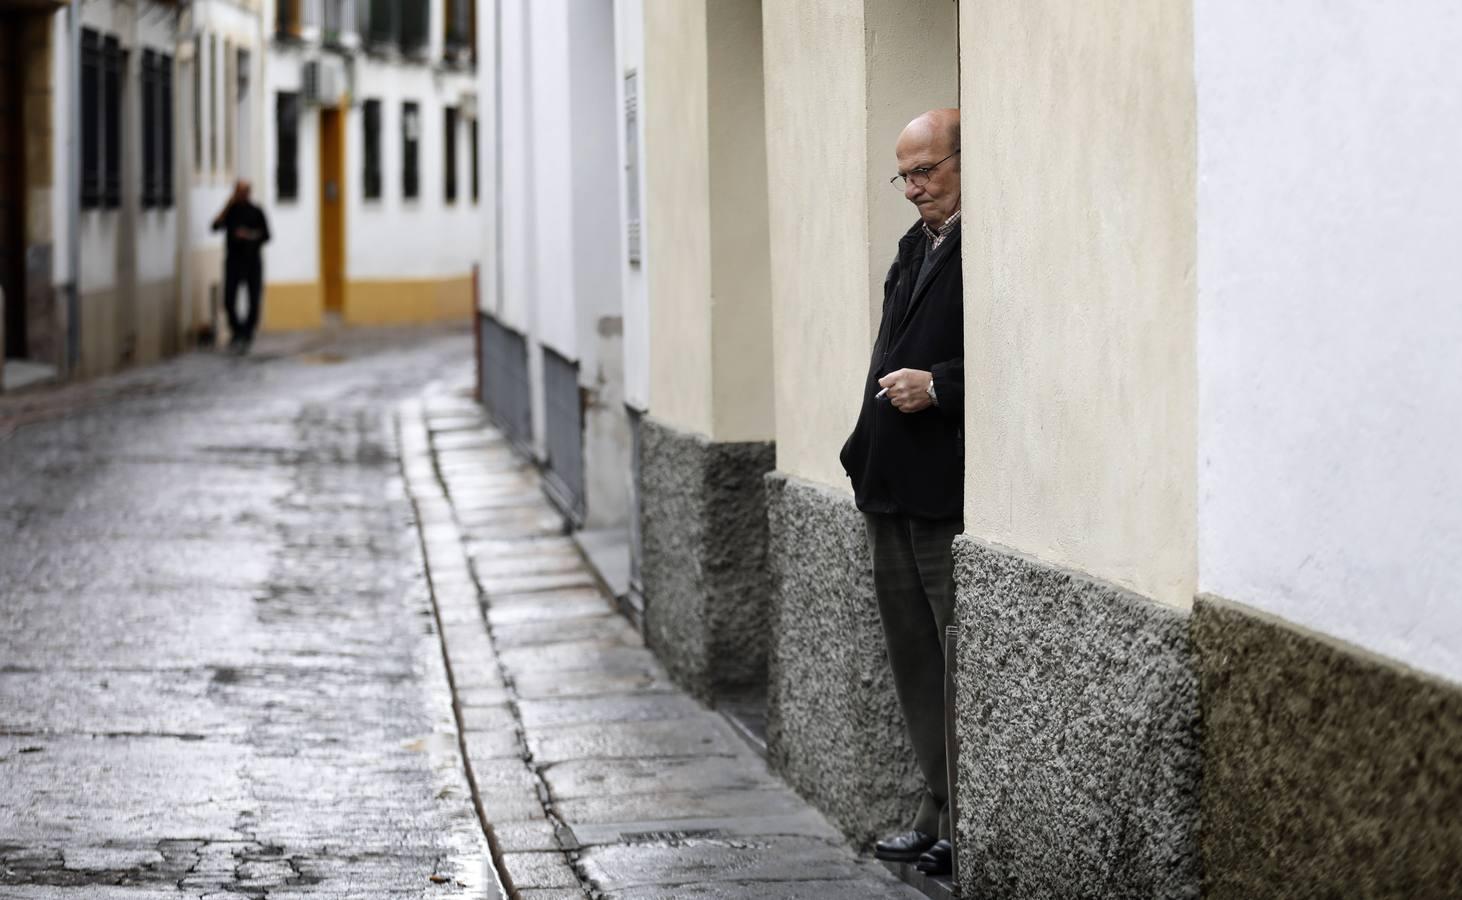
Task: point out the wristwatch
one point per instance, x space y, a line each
933 397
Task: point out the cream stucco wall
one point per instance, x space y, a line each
1079 171
835 222
740 281
677 207
705 179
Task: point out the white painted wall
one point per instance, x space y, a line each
629 23
552 134
126 242
293 253
1330 313
392 237
517 209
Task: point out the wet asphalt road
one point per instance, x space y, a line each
218 672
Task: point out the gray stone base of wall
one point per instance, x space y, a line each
1079 750
703 522
834 727
1329 772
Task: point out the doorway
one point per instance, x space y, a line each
12 185
332 208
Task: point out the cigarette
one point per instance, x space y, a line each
881 394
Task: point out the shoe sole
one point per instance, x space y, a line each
898 857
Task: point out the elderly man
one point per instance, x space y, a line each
906 461
245 233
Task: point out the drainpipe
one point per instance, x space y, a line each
73 196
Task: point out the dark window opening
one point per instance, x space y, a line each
475 152
449 161
415 27
102 64
157 129
371 120
114 63
91 119
410 143
286 169
460 24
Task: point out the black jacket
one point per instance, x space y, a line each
242 252
913 463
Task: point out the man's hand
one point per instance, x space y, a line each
908 389
247 234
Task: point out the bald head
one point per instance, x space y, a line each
927 156
938 128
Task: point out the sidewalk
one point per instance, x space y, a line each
599 778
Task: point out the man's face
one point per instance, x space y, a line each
938 197
242 191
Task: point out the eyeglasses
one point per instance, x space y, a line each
917 177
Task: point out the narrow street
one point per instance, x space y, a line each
301 624
219 674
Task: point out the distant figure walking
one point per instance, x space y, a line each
246 230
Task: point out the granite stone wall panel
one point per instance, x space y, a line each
835 731
703 524
1079 759
1330 771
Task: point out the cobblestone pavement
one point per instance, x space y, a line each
598 776
219 668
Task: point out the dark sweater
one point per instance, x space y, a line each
913 463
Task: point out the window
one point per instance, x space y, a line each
101 120
371 120
474 161
114 65
458 25
157 129
410 143
286 170
165 130
287 17
449 161
383 22
415 26
91 122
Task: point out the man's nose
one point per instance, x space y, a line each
912 191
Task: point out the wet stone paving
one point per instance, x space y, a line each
301 624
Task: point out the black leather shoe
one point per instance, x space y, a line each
939 860
903 847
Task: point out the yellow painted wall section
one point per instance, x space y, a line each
412 301
741 303
816 124
677 215
292 306
1080 242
